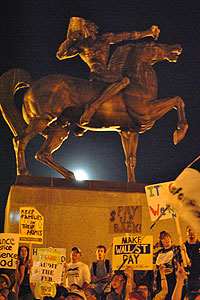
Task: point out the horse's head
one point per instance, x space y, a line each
154 52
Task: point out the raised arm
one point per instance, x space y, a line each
68 50
180 277
114 38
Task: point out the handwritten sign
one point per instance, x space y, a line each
134 251
156 198
125 219
46 266
9 243
62 259
31 225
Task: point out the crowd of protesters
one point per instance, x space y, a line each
170 280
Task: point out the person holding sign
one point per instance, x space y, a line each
22 275
119 287
167 255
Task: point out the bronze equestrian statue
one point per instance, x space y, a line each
54 102
83 40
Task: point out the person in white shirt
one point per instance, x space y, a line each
77 272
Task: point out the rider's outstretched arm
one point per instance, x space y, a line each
114 38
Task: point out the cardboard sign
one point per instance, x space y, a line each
125 219
46 266
31 225
134 251
9 243
156 198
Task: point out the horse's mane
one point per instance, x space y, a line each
119 57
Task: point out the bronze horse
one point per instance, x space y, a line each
53 102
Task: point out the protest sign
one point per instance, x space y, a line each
44 288
9 243
31 225
62 252
125 219
156 199
46 266
134 251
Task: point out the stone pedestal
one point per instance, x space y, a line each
77 213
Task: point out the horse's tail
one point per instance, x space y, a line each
10 82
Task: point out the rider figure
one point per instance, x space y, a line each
82 40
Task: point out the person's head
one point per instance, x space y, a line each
90 293
144 289
118 281
137 296
4 281
75 255
76 295
192 296
61 292
100 252
23 252
191 235
75 286
165 240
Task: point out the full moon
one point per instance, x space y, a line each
80 175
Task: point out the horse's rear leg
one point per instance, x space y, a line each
55 136
130 142
20 142
182 125
159 108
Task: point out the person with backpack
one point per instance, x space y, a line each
101 271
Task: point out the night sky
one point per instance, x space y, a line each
32 32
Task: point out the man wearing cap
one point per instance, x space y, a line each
77 272
5 284
83 40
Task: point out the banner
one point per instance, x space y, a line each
135 251
9 243
125 219
46 266
156 199
31 226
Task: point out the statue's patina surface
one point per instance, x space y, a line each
123 96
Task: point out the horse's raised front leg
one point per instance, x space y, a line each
159 108
55 136
130 142
20 142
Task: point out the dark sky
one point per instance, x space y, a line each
32 33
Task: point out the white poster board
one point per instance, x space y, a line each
156 199
46 266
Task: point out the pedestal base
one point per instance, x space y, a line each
77 213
